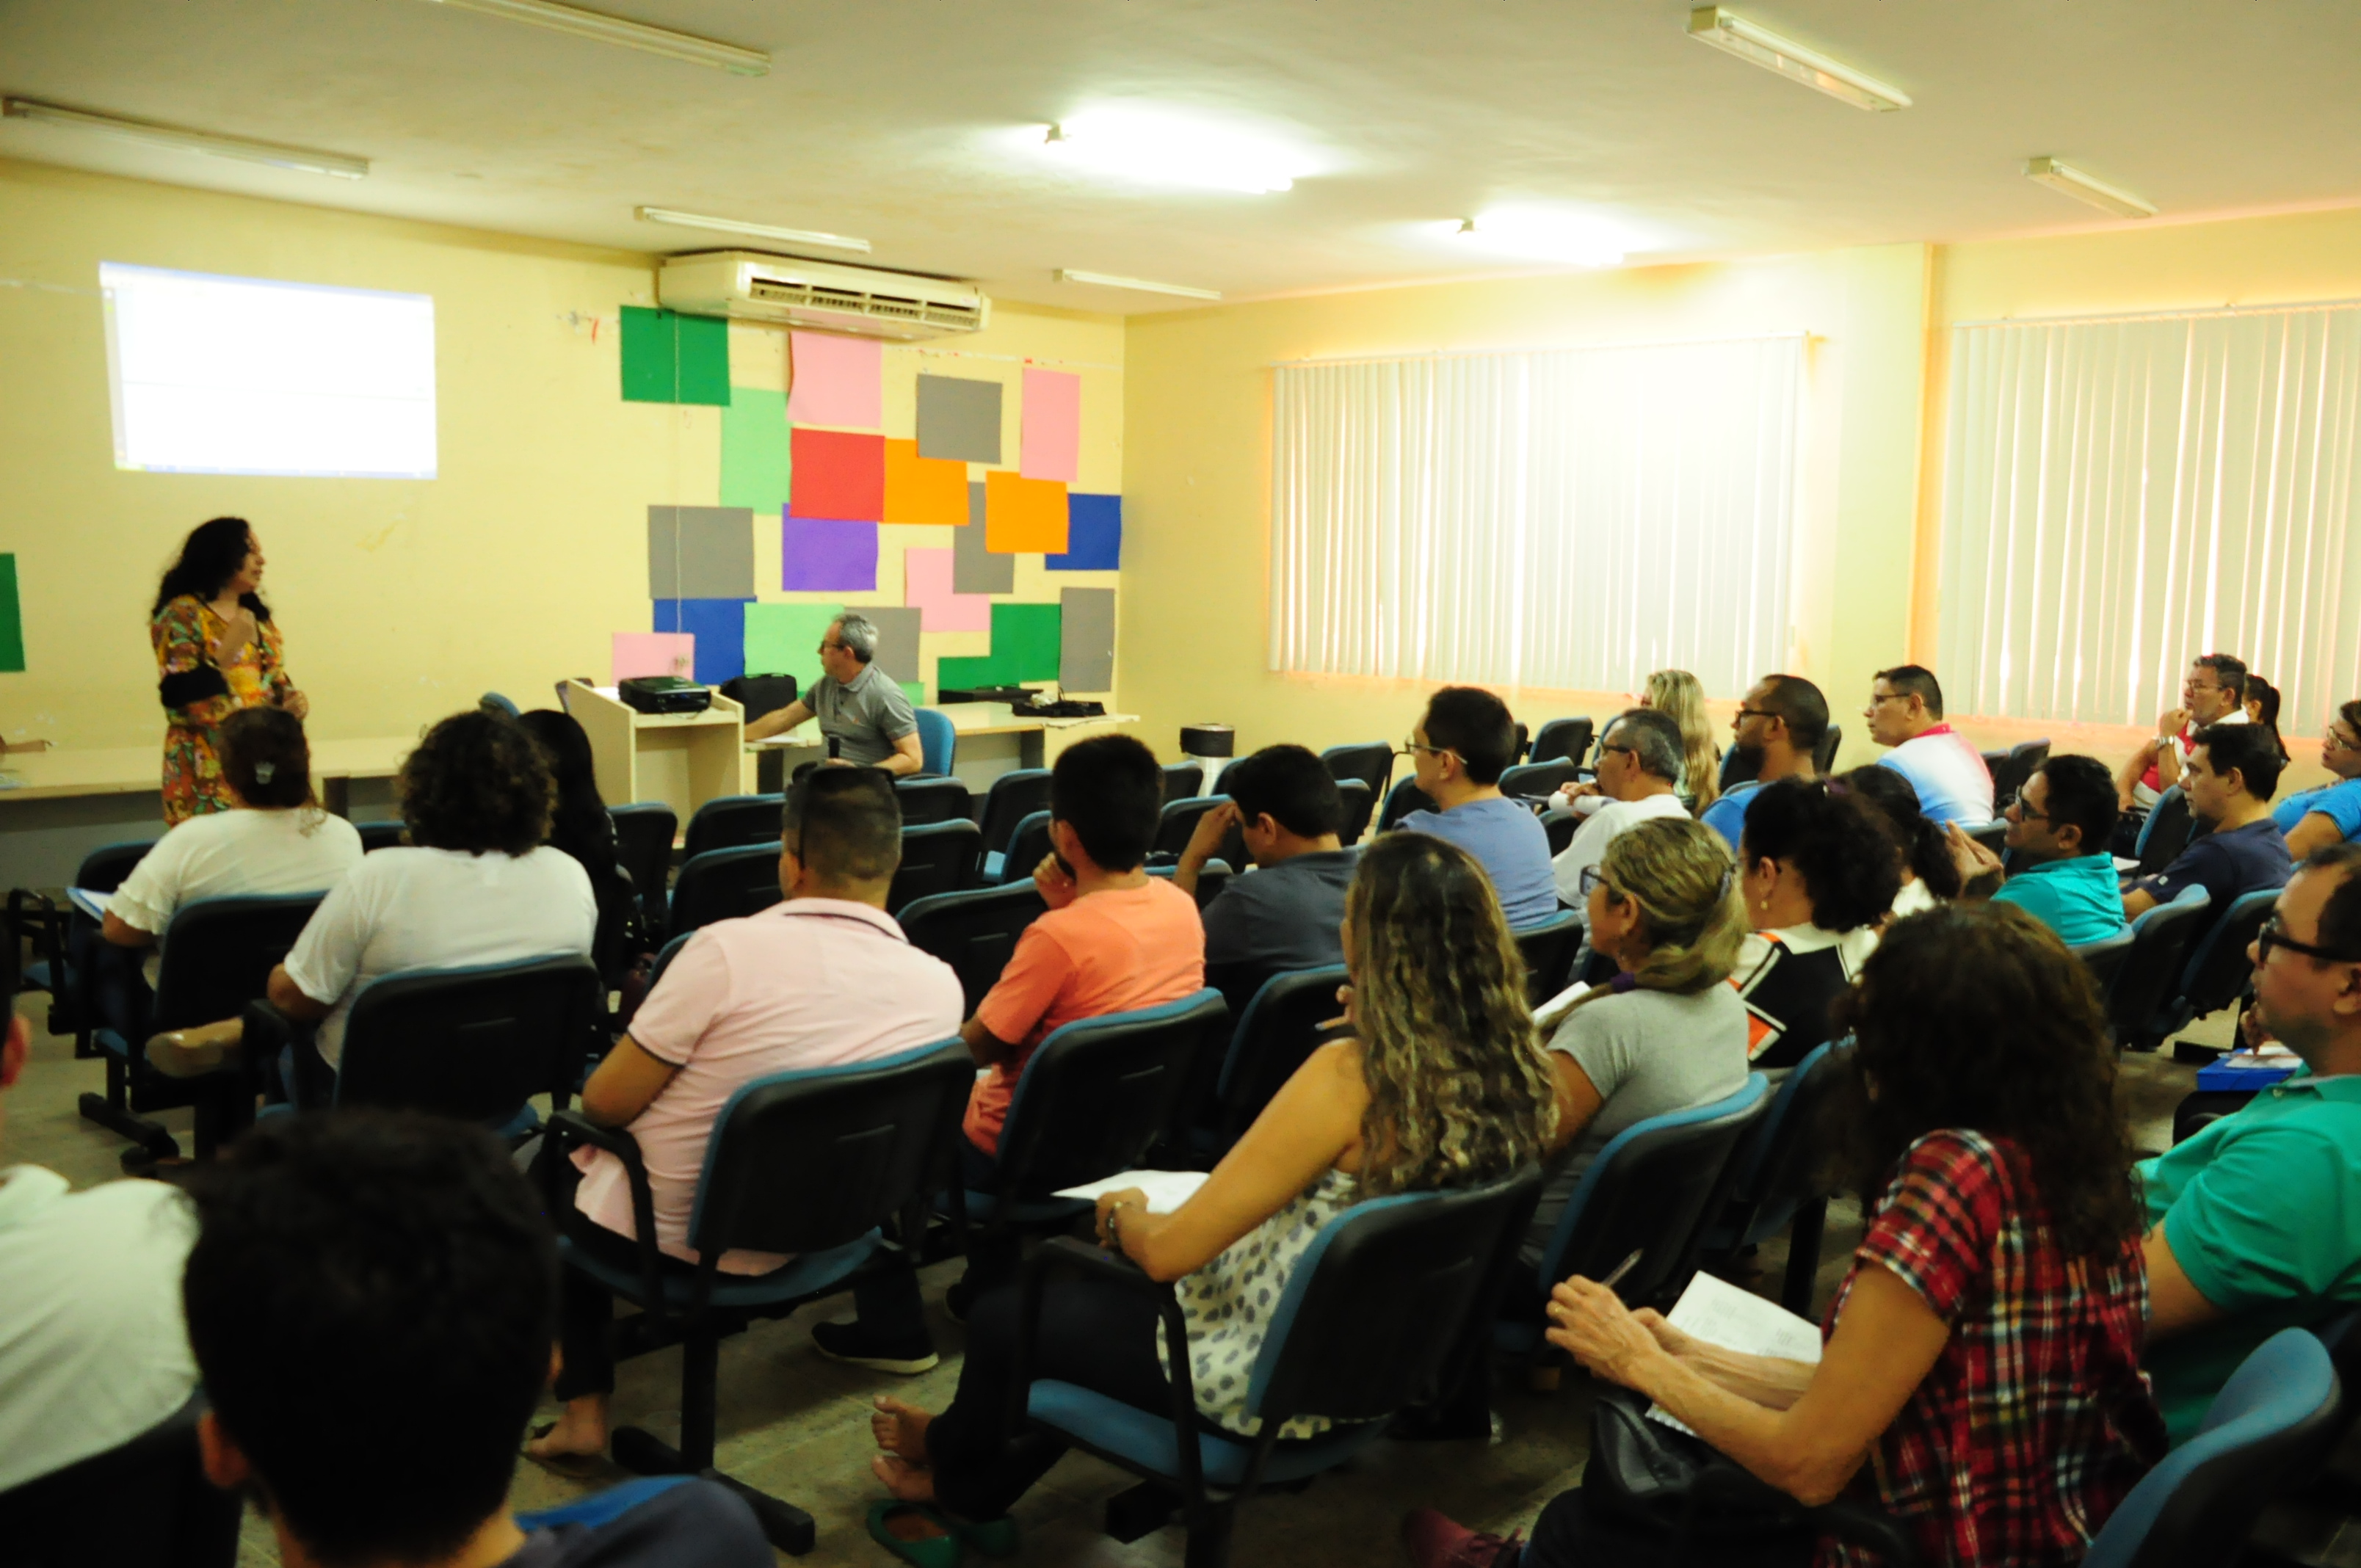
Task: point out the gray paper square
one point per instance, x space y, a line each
1086 640
974 569
959 419
700 553
898 638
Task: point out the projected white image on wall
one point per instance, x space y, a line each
214 374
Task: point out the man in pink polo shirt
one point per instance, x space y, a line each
824 979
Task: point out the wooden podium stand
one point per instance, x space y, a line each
681 759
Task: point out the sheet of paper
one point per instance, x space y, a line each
784 640
923 490
1093 535
959 421
700 553
1086 640
757 458
1166 1189
838 475
719 628
898 638
817 555
1721 1313
954 672
91 904
12 618
1550 1014
1025 642
976 567
671 358
1022 514
1052 439
702 350
837 380
926 586
639 654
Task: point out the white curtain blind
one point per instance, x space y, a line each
2124 495
1571 518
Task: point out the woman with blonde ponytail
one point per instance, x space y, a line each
1667 1032
1676 693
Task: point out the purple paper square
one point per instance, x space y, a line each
817 555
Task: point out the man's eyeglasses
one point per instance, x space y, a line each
2274 935
1627 750
2337 742
831 647
1410 748
2024 808
1746 713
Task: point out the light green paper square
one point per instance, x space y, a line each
704 362
12 618
755 448
914 690
784 640
965 673
1024 641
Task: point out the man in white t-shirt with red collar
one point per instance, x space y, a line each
2213 692
1906 712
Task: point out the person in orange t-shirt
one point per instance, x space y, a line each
1115 940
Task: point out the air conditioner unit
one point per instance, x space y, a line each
750 286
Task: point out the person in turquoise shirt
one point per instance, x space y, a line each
2059 826
2315 818
2256 1219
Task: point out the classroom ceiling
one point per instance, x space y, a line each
919 124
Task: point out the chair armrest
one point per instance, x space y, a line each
1866 1526
1065 1252
199 1051
564 1126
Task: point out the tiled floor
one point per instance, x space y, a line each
795 1424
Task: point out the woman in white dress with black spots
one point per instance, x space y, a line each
1442 1086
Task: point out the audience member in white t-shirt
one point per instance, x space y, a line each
1906 712
821 979
274 839
1640 761
475 886
2214 692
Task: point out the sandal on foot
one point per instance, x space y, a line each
927 1551
573 1466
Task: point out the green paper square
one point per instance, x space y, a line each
1024 641
12 619
784 640
704 359
964 675
650 358
755 460
915 691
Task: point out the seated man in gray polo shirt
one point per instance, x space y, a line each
863 711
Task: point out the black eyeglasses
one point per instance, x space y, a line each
2024 810
1746 713
2274 935
1627 750
1594 876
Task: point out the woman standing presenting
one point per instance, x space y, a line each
216 651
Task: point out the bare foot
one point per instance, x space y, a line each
905 1481
580 1431
901 1429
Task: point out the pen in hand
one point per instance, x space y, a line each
1622 1269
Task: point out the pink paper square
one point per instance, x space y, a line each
1053 425
838 381
640 654
927 584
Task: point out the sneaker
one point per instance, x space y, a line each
1433 1541
853 1344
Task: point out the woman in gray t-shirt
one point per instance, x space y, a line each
1667 1033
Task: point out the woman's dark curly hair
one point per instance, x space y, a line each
1919 837
477 782
209 558
1975 1015
1840 845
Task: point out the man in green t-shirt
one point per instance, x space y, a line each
2257 1218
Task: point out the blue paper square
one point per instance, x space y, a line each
1093 535
719 628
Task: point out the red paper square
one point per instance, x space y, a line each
838 476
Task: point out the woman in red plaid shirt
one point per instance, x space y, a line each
1981 1380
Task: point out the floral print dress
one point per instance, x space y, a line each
184 632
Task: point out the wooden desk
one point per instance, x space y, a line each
681 759
991 741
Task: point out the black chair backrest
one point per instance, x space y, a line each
933 800
375 836
1534 780
1359 802
1563 739
2150 973
1372 761
805 1161
146 1504
1737 768
1027 847
1993 835
1522 744
2166 833
1178 819
2104 958
670 951
937 858
1278 1030
1560 826
218 954
2011 768
1401 801
722 884
1549 949
2218 969
105 868
643 835
473 1043
973 932
733 821
1824 755
1183 780
1013 796
1097 1092
1211 877
1779 1163
1380 1303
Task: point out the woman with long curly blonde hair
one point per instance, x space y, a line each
1676 693
1443 1084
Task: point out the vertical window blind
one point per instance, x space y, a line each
1571 518
2126 494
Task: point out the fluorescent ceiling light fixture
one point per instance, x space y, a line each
1544 235
2083 188
1164 148
275 154
1140 285
608 29
761 231
1760 46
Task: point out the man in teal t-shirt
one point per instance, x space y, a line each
2256 1220
2059 826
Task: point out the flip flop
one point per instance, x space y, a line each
573 1466
928 1552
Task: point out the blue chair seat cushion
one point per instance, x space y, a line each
1147 1441
114 1044
806 1275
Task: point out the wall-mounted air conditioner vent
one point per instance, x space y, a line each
753 287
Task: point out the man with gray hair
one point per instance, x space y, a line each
1639 777
863 711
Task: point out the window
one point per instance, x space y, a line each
1570 518
2124 495
217 375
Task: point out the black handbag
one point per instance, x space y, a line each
1644 1473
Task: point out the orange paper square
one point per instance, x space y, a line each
1022 515
926 490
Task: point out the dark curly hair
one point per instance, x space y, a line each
1916 835
1840 843
265 757
209 558
1975 1015
477 782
